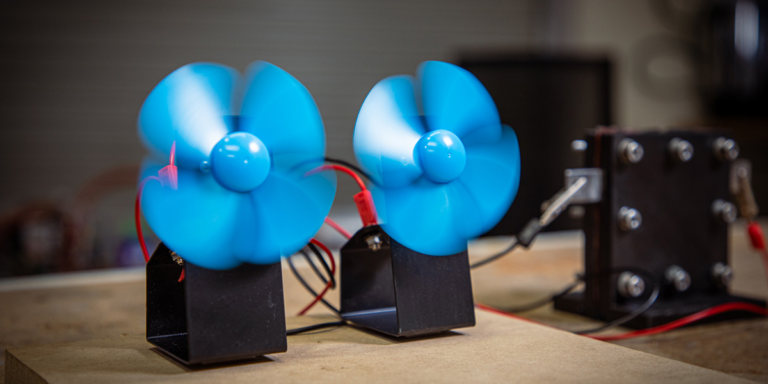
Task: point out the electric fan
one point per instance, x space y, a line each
444 171
234 199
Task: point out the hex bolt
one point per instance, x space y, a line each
678 278
681 149
630 151
374 242
631 286
578 145
726 149
725 211
629 219
722 274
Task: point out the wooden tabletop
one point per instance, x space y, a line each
99 305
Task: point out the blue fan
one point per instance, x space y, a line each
243 147
445 169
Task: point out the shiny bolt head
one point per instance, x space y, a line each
374 242
578 145
722 274
629 219
678 278
631 286
726 149
725 211
630 151
681 149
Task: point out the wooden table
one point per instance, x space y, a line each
98 306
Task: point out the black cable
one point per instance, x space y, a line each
496 256
545 301
314 267
325 265
297 331
348 165
308 288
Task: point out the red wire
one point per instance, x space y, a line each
758 242
327 286
137 216
338 228
340 169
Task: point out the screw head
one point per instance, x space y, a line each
374 242
722 274
726 149
678 277
629 219
725 211
631 286
578 145
681 149
630 151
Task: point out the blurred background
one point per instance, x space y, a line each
75 73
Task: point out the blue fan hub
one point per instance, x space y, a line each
441 155
240 162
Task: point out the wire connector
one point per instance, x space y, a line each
366 208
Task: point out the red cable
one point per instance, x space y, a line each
338 228
757 238
327 286
137 216
340 168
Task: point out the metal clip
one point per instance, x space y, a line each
741 188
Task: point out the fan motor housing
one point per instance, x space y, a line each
397 291
214 316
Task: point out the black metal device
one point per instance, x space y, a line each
389 288
665 209
214 316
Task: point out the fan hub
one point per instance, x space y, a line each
240 162
441 155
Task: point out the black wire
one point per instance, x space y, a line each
545 301
308 288
314 267
324 264
297 331
348 165
496 256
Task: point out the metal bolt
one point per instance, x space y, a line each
678 277
630 285
726 149
630 151
724 211
722 274
681 149
578 145
176 258
629 219
374 242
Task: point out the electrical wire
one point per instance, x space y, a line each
137 216
327 286
716 310
343 169
338 228
496 256
308 287
325 265
630 316
540 303
296 331
348 165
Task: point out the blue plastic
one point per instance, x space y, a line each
445 169
244 145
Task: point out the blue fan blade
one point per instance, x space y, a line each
453 99
491 178
197 220
387 129
288 210
429 218
279 110
192 106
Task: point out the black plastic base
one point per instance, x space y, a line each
663 311
400 292
214 316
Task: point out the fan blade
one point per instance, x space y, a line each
387 129
279 110
192 107
429 218
454 100
288 210
491 178
197 220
